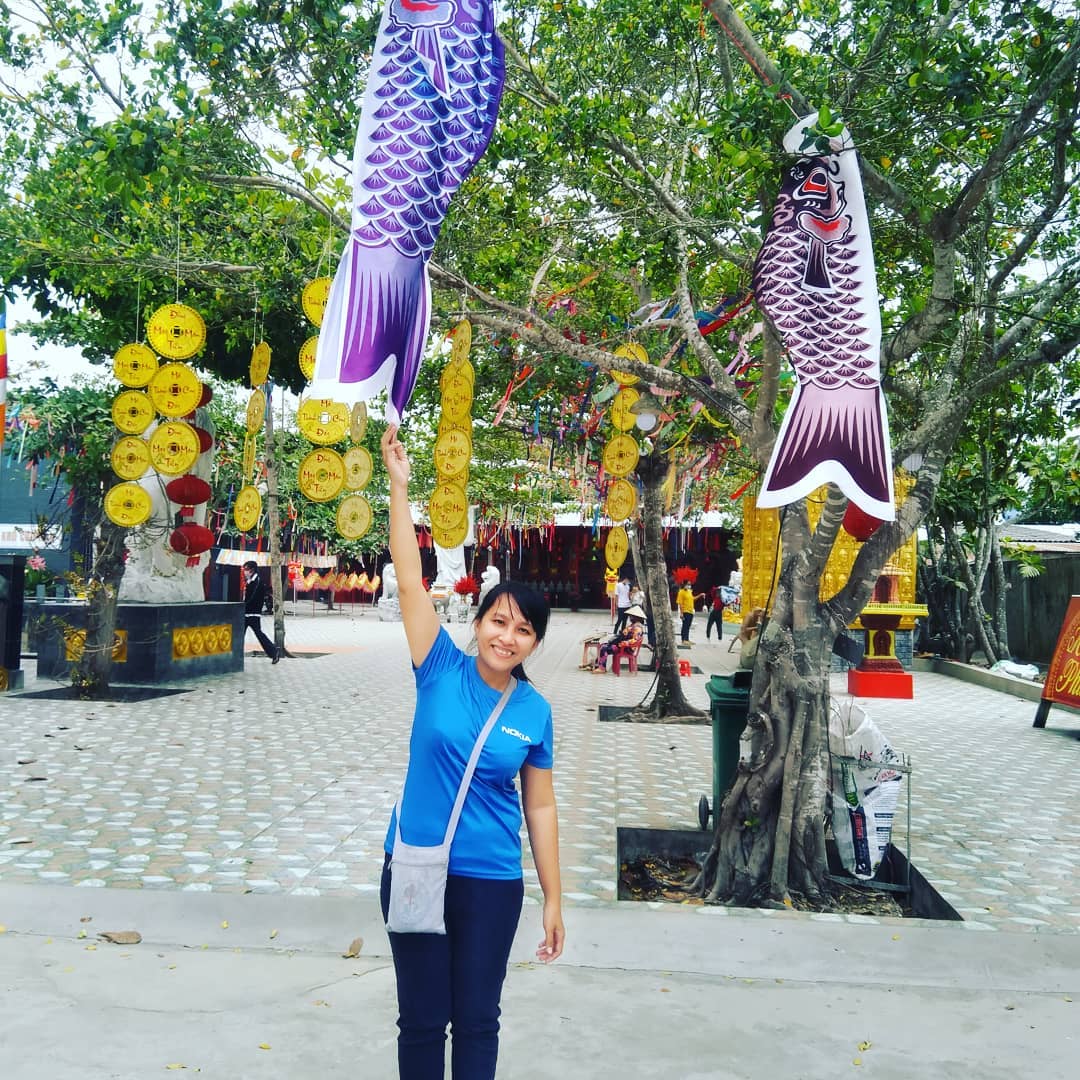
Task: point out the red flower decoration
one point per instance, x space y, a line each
466 586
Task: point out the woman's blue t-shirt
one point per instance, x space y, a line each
452 705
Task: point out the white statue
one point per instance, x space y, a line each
154 573
389 582
389 607
488 580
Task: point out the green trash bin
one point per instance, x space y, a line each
729 703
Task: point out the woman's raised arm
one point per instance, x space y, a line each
417 611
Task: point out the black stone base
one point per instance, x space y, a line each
156 643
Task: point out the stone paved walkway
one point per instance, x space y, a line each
281 779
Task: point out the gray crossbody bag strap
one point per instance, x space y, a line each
470 768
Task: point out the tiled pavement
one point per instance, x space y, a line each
281 779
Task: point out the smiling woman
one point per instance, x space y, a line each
452 885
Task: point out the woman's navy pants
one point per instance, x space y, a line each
455 979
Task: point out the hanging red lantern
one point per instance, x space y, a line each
191 539
860 524
206 397
206 440
188 490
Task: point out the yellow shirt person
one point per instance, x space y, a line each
684 600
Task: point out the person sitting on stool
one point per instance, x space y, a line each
626 642
254 599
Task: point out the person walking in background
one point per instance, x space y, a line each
685 599
455 978
716 615
254 602
622 603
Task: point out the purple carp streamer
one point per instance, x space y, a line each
428 113
814 279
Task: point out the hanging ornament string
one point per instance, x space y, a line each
178 251
138 307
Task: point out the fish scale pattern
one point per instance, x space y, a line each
426 138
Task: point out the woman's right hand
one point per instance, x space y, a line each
394 457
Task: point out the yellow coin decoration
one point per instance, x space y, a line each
448 506
322 474
248 463
452 370
247 508
127 505
256 412
323 421
353 517
630 351
307 356
446 424
358 466
451 537
130 457
617 546
314 299
358 422
134 365
132 412
621 500
621 417
259 367
457 397
175 390
461 342
621 455
174 446
176 331
453 450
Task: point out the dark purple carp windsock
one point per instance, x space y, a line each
428 113
814 280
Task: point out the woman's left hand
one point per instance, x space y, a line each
554 934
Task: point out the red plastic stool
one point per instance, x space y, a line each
684 668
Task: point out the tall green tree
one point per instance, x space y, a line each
636 159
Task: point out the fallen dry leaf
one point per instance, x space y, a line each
25 760
87 918
175 1065
325 1004
224 924
81 934
121 937
264 1046
354 948
21 840
3 929
273 934
864 1046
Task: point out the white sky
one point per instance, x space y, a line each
29 362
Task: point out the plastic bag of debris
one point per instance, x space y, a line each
864 788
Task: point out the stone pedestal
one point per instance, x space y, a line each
154 644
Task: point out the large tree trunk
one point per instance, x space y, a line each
770 840
669 700
90 672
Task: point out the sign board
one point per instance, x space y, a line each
1062 686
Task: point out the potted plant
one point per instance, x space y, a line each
38 576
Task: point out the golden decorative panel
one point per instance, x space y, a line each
191 642
75 645
761 556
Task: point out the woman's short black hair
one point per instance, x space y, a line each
251 564
531 604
